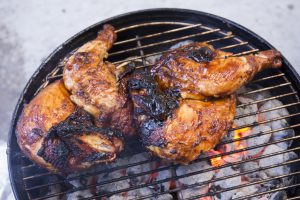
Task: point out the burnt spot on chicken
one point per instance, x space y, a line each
149 99
63 148
151 134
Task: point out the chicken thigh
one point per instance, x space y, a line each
199 71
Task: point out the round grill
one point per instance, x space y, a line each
141 35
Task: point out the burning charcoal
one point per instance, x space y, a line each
278 195
244 191
228 183
192 192
245 110
279 135
274 160
134 194
161 175
198 178
258 140
139 168
81 193
272 114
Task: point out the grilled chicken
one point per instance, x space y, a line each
93 84
199 71
187 104
178 129
56 135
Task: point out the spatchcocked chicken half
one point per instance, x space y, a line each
62 138
188 104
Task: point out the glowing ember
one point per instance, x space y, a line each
238 145
241 144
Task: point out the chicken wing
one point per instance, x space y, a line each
93 84
59 137
177 129
199 70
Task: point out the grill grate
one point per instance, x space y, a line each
140 47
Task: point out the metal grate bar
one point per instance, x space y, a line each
234 45
159 34
298 197
166 51
151 24
185 175
165 42
268 77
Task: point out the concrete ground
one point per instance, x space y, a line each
30 30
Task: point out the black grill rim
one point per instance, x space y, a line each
118 21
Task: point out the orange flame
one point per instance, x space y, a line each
238 145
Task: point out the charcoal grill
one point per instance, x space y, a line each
140 35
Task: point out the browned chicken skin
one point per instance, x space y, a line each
199 70
195 127
60 138
93 84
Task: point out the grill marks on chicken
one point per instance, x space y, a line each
61 138
201 71
93 84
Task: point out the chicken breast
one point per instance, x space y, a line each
174 128
195 127
94 87
57 136
199 71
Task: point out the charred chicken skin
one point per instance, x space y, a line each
199 70
56 135
93 84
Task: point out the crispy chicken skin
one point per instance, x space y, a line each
174 128
199 70
93 84
59 137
